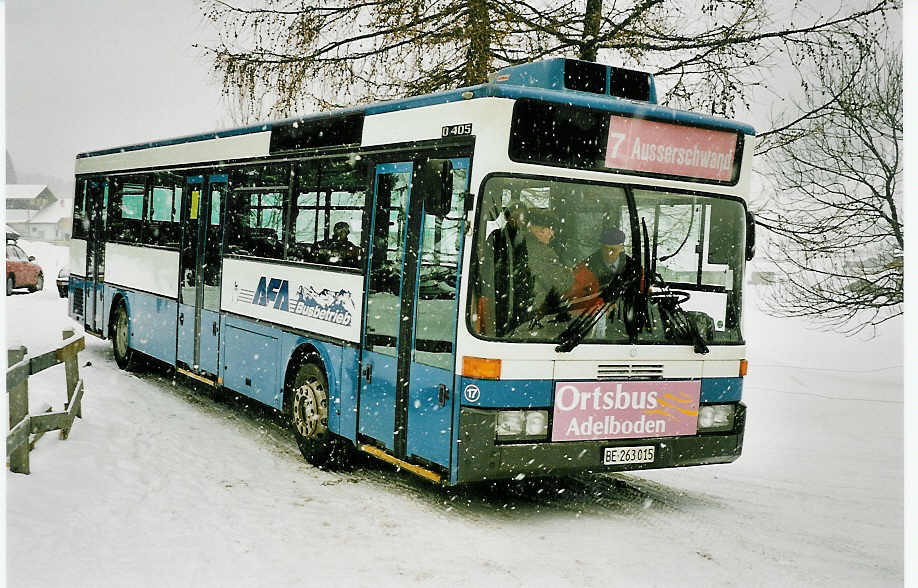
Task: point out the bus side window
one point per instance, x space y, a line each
255 211
237 224
126 208
328 194
266 224
303 211
343 192
162 211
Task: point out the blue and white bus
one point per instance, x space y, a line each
422 279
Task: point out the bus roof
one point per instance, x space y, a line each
490 90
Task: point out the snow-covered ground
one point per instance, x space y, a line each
161 484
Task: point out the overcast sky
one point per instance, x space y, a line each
84 75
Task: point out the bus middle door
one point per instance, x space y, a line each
199 291
94 288
386 337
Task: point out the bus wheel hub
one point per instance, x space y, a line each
309 410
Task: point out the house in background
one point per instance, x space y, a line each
52 223
34 212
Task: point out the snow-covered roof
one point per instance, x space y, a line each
24 191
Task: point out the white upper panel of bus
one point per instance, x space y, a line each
220 149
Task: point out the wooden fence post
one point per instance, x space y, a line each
19 409
72 368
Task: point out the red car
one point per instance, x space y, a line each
20 271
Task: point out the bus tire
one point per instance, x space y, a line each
308 413
9 285
124 355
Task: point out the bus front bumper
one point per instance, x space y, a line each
482 458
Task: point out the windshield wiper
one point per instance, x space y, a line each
633 292
577 329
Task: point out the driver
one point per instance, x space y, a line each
609 262
339 249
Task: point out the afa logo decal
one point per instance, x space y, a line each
331 306
275 292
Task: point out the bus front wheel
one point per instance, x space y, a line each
124 355
309 419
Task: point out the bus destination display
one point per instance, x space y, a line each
654 147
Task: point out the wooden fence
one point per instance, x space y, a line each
22 424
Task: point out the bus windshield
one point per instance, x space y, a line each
549 251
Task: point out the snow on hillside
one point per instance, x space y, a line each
161 484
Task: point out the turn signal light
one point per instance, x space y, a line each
479 367
743 367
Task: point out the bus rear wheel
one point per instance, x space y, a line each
308 411
124 355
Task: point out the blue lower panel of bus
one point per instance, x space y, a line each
506 393
429 422
539 393
186 334
721 390
254 362
377 399
153 322
210 341
251 361
344 401
209 352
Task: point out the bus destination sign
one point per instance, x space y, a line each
656 147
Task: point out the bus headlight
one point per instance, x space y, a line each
716 417
520 425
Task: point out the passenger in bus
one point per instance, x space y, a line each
338 250
608 264
548 278
510 268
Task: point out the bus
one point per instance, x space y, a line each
373 273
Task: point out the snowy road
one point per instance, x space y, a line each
161 484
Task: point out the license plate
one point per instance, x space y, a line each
626 455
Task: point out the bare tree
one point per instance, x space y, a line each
835 215
331 53
708 55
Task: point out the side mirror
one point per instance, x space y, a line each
31 258
750 236
434 180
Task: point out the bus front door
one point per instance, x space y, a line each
199 291
430 398
382 379
407 354
94 288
